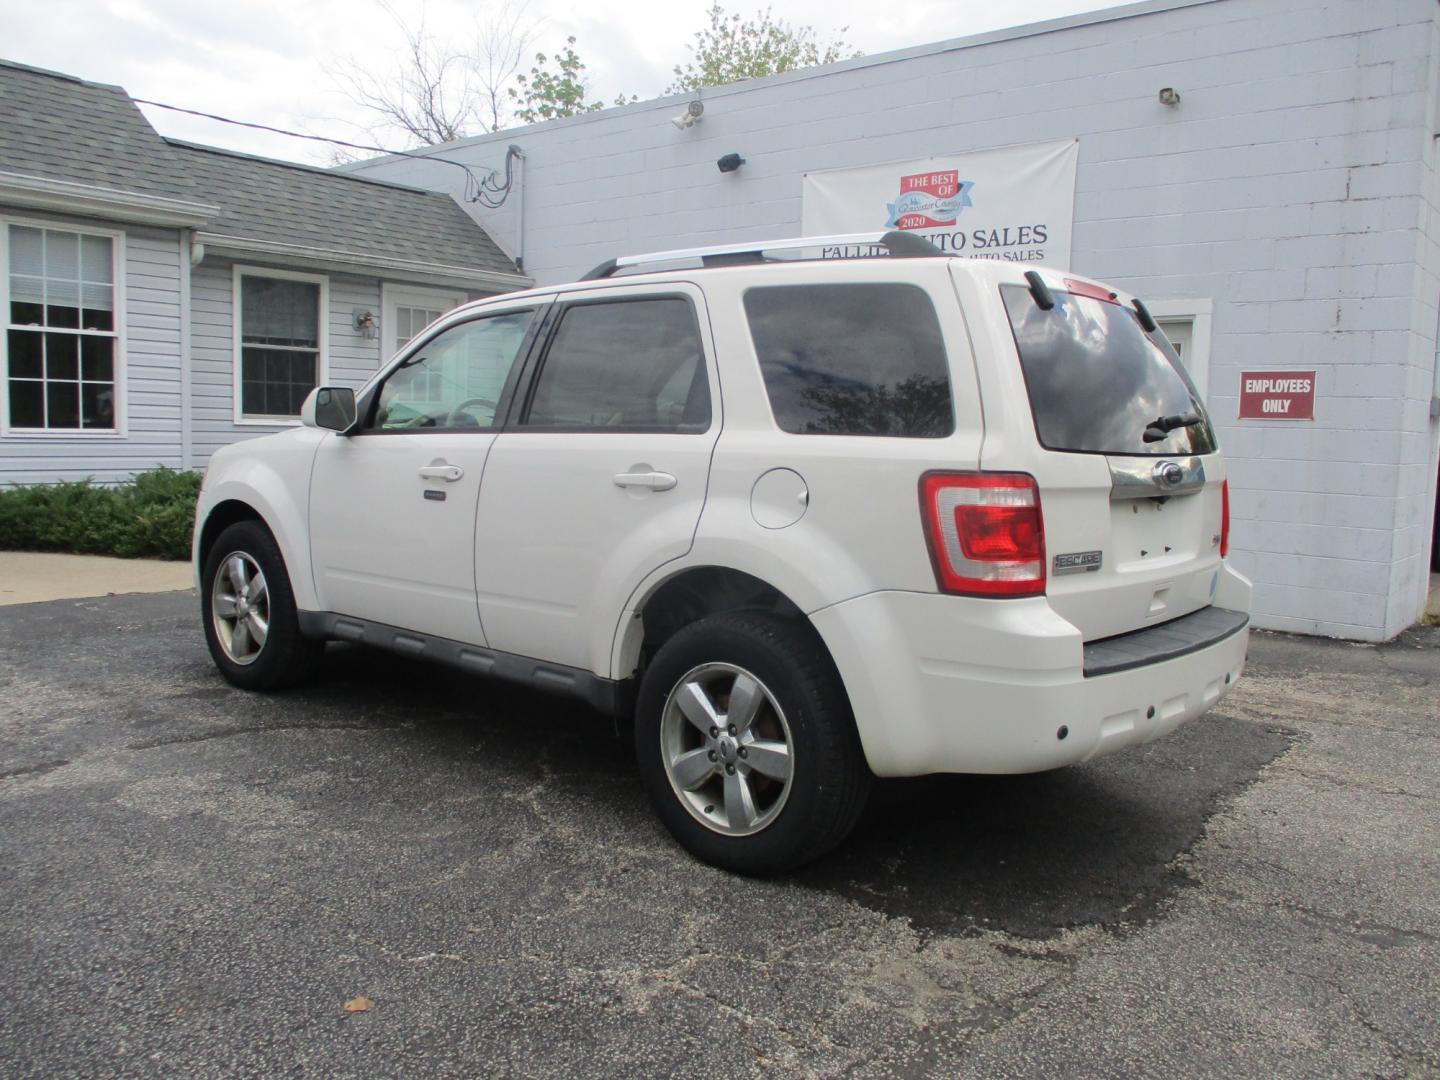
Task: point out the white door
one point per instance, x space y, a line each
1181 333
1187 324
392 506
407 311
602 477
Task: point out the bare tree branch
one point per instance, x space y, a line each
438 92
502 39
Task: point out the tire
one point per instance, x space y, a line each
1435 540
283 657
733 810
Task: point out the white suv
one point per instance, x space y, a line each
807 520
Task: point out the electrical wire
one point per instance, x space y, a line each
487 191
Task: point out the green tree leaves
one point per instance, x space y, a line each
555 88
732 48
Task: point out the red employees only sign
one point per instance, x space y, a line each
1277 395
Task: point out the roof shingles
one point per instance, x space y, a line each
63 128
297 204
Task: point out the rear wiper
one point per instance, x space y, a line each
1161 426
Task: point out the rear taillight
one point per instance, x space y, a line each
986 533
1224 518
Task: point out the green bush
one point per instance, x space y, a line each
150 517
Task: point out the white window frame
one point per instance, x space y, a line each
117 254
1200 314
394 295
322 372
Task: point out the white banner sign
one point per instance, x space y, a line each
1015 203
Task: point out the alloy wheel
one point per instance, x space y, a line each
726 748
240 607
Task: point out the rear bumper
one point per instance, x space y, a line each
950 684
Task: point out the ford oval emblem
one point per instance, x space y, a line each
1169 474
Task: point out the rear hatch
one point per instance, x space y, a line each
1126 462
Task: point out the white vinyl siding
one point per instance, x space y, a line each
60 357
350 358
279 345
150 349
147 368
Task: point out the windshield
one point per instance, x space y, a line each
1098 384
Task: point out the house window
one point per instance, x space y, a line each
280 332
60 334
409 321
406 310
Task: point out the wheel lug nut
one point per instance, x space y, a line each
714 731
730 770
744 752
712 755
732 729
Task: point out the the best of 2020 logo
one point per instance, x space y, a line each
929 200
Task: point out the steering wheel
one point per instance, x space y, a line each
452 419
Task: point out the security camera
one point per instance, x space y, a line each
692 113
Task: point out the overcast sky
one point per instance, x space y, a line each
267 60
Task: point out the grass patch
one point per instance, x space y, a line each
152 516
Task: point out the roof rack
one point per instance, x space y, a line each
898 244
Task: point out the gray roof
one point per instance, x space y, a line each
297 204
64 128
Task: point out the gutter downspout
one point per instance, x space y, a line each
190 255
520 210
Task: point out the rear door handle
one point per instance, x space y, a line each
654 481
449 473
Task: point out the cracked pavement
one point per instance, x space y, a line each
196 880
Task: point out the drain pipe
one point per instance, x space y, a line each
519 208
195 250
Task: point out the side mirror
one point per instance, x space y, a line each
329 407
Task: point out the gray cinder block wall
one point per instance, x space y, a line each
1294 186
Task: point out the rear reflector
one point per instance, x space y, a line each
1224 518
985 532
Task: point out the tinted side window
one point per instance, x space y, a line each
456 378
855 359
629 364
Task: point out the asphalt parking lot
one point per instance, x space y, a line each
196 881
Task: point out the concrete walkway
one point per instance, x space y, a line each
28 577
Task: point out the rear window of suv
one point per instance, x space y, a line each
852 359
1097 380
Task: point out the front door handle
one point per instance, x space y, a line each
642 477
448 473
